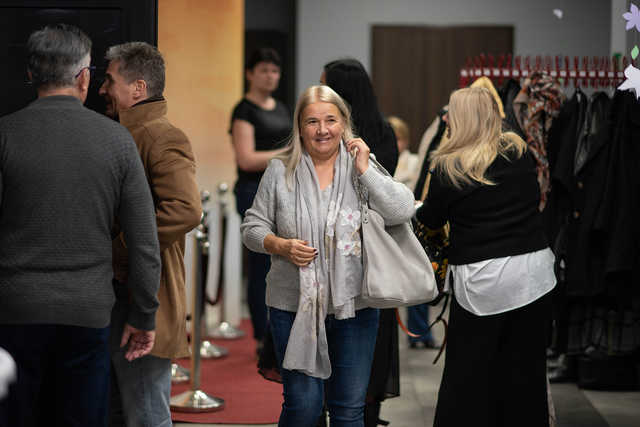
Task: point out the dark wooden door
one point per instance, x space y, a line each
415 68
106 22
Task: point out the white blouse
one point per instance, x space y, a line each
501 284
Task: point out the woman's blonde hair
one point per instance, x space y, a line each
476 138
400 127
292 155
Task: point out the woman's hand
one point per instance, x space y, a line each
296 251
361 152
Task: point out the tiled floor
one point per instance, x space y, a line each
420 379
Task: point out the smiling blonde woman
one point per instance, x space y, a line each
306 215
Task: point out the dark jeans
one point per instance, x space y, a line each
418 323
495 368
351 343
73 358
259 265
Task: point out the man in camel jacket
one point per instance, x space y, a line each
133 88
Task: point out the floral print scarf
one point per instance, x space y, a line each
337 270
537 104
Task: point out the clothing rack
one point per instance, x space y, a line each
595 72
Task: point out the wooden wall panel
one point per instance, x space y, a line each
415 68
203 45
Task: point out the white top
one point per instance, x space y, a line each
501 284
408 169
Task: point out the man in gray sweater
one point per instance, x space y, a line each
66 172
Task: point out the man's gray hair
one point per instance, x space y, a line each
140 61
55 55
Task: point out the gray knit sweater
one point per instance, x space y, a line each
273 212
65 173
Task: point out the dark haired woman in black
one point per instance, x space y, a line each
260 125
350 80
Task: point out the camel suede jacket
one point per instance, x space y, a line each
170 168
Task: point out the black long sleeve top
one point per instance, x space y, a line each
488 221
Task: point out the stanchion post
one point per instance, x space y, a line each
208 350
225 330
195 400
179 374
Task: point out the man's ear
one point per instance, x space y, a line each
140 89
84 79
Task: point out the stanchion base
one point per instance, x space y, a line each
196 401
179 374
208 350
227 331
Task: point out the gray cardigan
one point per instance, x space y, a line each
273 212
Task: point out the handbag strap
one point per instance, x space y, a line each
425 189
363 195
439 318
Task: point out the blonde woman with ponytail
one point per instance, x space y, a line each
484 184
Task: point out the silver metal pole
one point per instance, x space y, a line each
195 400
225 330
208 350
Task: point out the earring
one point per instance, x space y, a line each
448 131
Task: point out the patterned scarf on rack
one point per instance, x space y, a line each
537 104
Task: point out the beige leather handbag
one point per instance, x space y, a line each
397 271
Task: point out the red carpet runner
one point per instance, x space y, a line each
249 398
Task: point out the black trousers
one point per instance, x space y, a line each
63 376
495 368
259 265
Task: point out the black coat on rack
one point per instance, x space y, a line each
508 93
620 211
595 186
561 146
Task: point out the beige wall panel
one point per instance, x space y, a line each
203 45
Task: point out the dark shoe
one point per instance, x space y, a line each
557 362
560 375
565 371
431 344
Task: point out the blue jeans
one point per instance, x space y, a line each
418 322
63 375
351 344
259 265
141 389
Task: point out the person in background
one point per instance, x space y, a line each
408 162
351 81
260 124
306 214
407 171
66 173
133 88
484 183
